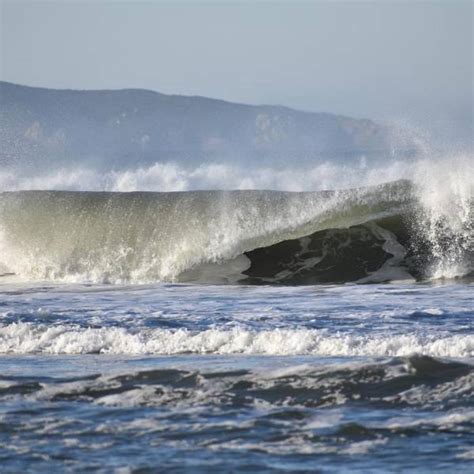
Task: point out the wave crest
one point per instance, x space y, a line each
63 339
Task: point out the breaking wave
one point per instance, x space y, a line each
422 228
28 338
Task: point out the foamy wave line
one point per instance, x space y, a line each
437 178
26 338
169 176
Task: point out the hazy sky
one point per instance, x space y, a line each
377 59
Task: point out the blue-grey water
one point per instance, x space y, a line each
202 378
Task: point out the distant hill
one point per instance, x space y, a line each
131 125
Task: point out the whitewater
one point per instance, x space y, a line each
227 319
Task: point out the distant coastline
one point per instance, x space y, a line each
143 126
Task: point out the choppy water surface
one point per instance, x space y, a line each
222 378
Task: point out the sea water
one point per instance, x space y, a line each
209 378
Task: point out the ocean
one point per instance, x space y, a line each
239 331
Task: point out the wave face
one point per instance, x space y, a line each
226 236
140 237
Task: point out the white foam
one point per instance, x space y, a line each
445 421
445 191
466 454
170 176
24 338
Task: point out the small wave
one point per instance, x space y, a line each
28 338
412 381
355 411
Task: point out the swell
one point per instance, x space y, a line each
212 236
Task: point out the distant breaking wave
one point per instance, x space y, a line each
172 176
396 231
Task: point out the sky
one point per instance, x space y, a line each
378 59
